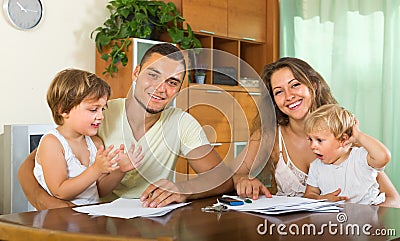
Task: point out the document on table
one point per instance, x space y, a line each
284 204
126 208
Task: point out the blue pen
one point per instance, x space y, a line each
230 201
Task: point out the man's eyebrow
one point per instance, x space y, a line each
158 72
175 79
154 70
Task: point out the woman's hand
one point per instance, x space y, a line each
250 188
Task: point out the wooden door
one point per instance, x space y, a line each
247 19
245 110
213 108
208 16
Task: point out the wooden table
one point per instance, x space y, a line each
190 223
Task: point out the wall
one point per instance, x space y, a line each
30 59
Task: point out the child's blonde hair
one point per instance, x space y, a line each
336 119
70 87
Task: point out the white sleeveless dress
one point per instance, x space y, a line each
75 168
290 180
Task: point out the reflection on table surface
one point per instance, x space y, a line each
190 223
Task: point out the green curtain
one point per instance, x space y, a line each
355 45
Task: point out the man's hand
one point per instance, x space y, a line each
250 188
162 193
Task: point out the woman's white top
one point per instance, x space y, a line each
75 168
354 177
290 180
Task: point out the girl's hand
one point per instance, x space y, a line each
105 160
130 160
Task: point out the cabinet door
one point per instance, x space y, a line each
247 19
213 108
206 15
245 110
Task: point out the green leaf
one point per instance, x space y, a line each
131 18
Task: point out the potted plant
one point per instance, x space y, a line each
200 74
139 19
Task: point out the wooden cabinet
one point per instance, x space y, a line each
245 110
227 18
244 58
213 108
208 16
247 19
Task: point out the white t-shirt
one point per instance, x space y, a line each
175 133
354 176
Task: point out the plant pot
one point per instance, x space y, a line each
200 79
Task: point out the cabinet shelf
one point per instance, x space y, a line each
239 58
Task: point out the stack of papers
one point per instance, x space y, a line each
283 204
126 208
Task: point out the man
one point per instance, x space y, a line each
164 133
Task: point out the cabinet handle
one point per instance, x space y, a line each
214 91
205 31
254 93
250 39
216 144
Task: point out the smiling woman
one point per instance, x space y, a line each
297 89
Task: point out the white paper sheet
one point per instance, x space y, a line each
283 204
126 208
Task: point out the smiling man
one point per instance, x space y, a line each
146 119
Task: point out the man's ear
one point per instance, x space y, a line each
135 73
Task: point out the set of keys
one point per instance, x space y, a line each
215 208
222 202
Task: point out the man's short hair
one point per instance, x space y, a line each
168 50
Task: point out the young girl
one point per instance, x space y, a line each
342 171
71 160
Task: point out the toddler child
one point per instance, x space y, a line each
71 162
343 171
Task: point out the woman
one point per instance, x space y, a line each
297 89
